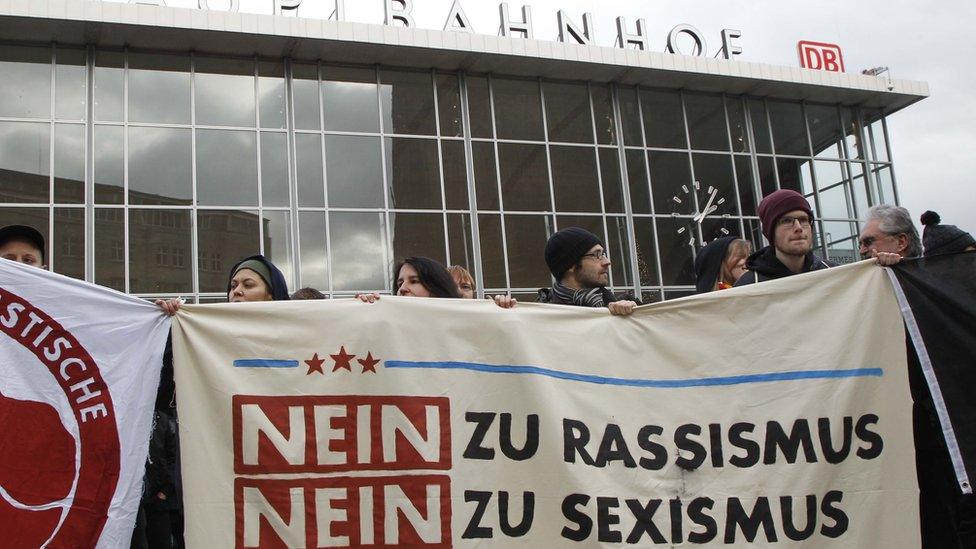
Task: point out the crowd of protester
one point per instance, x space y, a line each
579 264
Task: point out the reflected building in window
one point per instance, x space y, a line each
153 173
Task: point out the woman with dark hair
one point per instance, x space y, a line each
424 277
253 278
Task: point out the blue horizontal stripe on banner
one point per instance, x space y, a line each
656 383
265 363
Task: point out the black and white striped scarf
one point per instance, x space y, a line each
592 297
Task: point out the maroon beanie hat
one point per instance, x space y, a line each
777 204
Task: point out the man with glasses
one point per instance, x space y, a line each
787 222
889 230
579 263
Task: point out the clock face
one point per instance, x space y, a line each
705 202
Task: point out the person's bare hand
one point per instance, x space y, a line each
169 306
622 308
885 258
368 298
504 301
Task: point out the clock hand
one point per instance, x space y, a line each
706 210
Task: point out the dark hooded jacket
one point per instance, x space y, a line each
279 288
764 265
708 263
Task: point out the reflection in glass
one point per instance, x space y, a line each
640 196
610 176
714 171
312 243
412 167
479 105
159 166
747 185
518 109
574 179
159 251
492 252
355 172
224 89
677 260
526 236
606 127
360 236
794 174
455 175
418 234
224 237
706 121
110 247
305 95
760 125
349 99
646 251
664 124
671 183
630 116
277 242
825 130
227 170
159 88
25 89
70 95
789 132
568 112
25 149
525 181
69 163
486 184
109 87
618 245
737 124
767 175
308 152
408 102
274 169
449 105
459 241
592 223
271 94
108 165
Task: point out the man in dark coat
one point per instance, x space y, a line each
787 222
578 261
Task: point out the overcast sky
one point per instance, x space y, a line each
931 140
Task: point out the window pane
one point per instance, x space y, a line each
828 173
359 253
224 89
877 135
110 247
568 112
760 125
224 238
25 149
640 197
525 181
886 185
274 169
350 100
706 122
526 236
592 223
574 179
479 105
355 172
671 183
449 105
825 130
455 175
663 122
676 254
308 150
159 166
737 124
305 92
408 102
312 241
852 133
108 165
486 184
834 202
618 245
837 231
26 89
459 241
610 176
69 164
714 175
32 217
159 88
109 85
795 175
492 252
518 109
630 117
719 227
227 169
159 251
747 195
789 132
416 234
271 94
412 166
606 127
71 97
277 242
767 175
646 251
860 189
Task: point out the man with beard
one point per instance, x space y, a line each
787 222
579 263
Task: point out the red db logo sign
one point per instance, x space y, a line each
820 56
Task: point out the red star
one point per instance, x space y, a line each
315 364
369 363
342 360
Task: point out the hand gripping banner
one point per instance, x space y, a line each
79 367
772 415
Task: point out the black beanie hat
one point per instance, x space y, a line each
943 239
566 247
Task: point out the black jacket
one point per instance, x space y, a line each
764 265
708 263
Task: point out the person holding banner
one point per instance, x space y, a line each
424 277
253 278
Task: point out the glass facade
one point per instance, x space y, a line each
153 173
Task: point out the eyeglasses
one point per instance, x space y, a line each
598 255
789 220
867 241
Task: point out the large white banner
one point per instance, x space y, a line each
79 367
773 415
